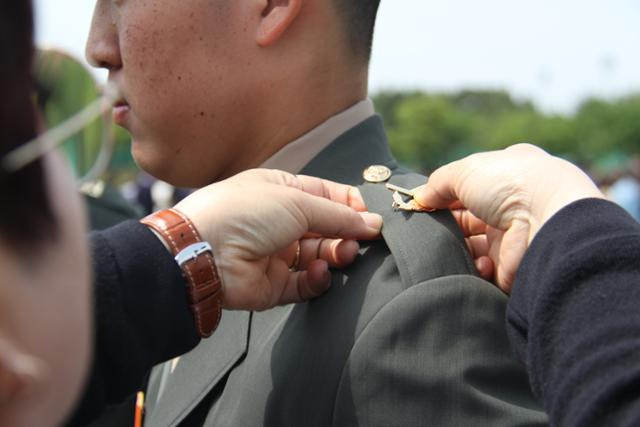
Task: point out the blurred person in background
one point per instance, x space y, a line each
570 259
45 293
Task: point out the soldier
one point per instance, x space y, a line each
409 334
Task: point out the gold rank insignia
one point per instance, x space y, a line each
376 174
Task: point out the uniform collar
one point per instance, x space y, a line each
295 155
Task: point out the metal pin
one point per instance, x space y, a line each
398 203
397 200
410 205
401 190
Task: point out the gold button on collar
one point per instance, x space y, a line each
376 173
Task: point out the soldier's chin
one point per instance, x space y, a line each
155 165
176 170
168 171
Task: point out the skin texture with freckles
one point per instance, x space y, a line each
183 101
207 93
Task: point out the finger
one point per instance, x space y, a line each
340 193
485 267
291 254
310 235
478 246
303 285
315 282
442 187
337 253
503 274
456 205
331 219
469 223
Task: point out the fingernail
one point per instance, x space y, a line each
421 197
420 193
373 220
349 250
351 246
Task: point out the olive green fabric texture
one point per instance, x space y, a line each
406 336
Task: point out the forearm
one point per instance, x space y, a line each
573 316
141 313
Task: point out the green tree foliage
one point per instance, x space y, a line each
605 127
64 87
427 130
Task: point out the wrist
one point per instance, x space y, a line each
195 258
208 228
564 185
559 201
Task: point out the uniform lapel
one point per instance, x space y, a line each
172 394
352 152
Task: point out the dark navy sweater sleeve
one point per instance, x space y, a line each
141 315
574 315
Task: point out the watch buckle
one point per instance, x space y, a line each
192 252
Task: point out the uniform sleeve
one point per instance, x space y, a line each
574 315
437 355
141 315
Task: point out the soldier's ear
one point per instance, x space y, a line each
277 17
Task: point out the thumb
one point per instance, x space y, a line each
440 190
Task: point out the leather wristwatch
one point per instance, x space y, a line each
195 258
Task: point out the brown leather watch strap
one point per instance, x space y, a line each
195 258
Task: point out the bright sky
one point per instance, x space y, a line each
555 52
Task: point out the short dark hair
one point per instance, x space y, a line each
359 18
26 217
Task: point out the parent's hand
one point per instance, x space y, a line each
501 199
263 222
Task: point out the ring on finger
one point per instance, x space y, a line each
296 261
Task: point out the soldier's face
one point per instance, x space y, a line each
187 75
